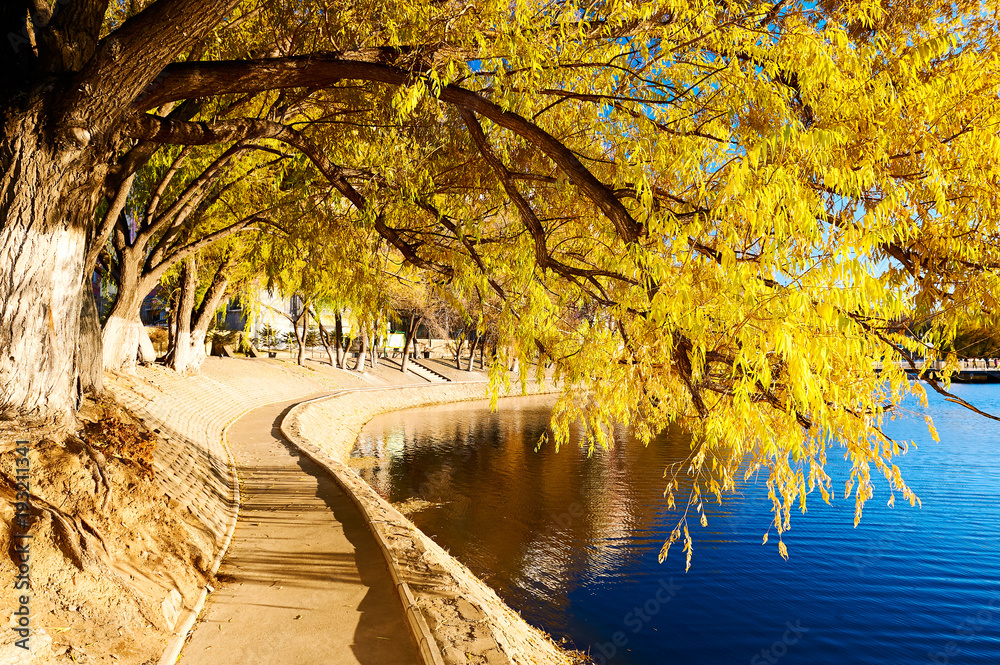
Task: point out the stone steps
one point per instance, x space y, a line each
425 372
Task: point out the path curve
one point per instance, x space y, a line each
304 581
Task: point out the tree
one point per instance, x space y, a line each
312 256
331 342
65 99
338 336
686 208
166 220
193 316
267 336
299 318
416 301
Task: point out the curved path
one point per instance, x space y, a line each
303 581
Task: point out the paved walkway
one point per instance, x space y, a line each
303 582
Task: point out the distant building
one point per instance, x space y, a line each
153 311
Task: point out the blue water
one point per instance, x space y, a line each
571 542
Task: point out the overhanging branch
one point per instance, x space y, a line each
323 70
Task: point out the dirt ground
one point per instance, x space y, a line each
100 526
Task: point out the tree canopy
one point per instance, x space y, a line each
715 213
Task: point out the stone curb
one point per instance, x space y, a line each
513 640
430 652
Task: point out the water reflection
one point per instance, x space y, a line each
571 542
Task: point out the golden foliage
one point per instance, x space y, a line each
742 208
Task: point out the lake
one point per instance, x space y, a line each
571 542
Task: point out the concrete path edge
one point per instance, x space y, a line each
430 652
308 425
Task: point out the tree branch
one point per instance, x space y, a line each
190 197
319 70
198 203
153 274
100 238
197 133
154 200
153 128
449 224
542 256
130 58
141 152
216 290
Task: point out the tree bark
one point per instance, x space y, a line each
172 326
147 352
458 352
47 200
189 359
324 338
89 352
121 330
300 338
472 353
329 350
181 358
411 332
205 316
338 332
363 351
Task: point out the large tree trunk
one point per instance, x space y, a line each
338 336
181 358
121 333
147 352
206 314
89 352
411 332
47 200
363 351
197 354
458 352
199 319
120 343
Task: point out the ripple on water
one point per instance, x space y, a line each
571 541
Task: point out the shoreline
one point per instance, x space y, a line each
464 620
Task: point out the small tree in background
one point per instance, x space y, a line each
267 336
